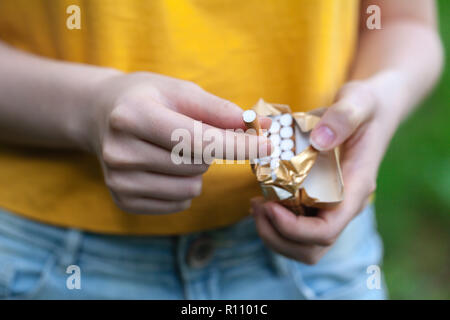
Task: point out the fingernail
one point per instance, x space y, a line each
322 137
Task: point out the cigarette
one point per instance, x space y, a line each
251 121
287 144
281 133
286 120
286 133
287 155
275 127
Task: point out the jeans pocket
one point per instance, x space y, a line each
25 266
26 283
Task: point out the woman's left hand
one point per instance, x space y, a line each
399 63
358 122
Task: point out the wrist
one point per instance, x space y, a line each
82 126
390 91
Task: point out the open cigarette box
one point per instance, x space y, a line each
295 174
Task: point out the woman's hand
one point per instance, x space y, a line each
130 130
364 128
399 63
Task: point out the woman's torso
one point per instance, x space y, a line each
292 52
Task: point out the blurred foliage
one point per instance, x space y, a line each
413 195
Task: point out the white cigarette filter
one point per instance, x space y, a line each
275 139
274 163
281 134
276 152
286 120
251 121
287 155
296 175
287 144
275 127
286 133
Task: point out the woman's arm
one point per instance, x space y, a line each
394 69
397 66
127 120
44 102
408 47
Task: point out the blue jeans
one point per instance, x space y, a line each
39 261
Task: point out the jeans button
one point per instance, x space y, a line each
200 252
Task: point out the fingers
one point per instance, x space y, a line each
305 253
354 106
139 184
128 152
302 229
150 206
196 103
323 229
167 128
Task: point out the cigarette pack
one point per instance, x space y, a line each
295 174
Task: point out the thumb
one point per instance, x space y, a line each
201 105
355 105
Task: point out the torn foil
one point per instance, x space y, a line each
310 179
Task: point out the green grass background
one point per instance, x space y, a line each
413 195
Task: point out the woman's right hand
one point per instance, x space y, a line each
131 121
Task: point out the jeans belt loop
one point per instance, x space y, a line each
71 247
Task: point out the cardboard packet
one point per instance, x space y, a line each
308 178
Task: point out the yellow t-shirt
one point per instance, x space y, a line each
295 52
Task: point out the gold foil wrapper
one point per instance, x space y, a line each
311 179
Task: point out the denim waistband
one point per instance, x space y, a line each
242 234
233 251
